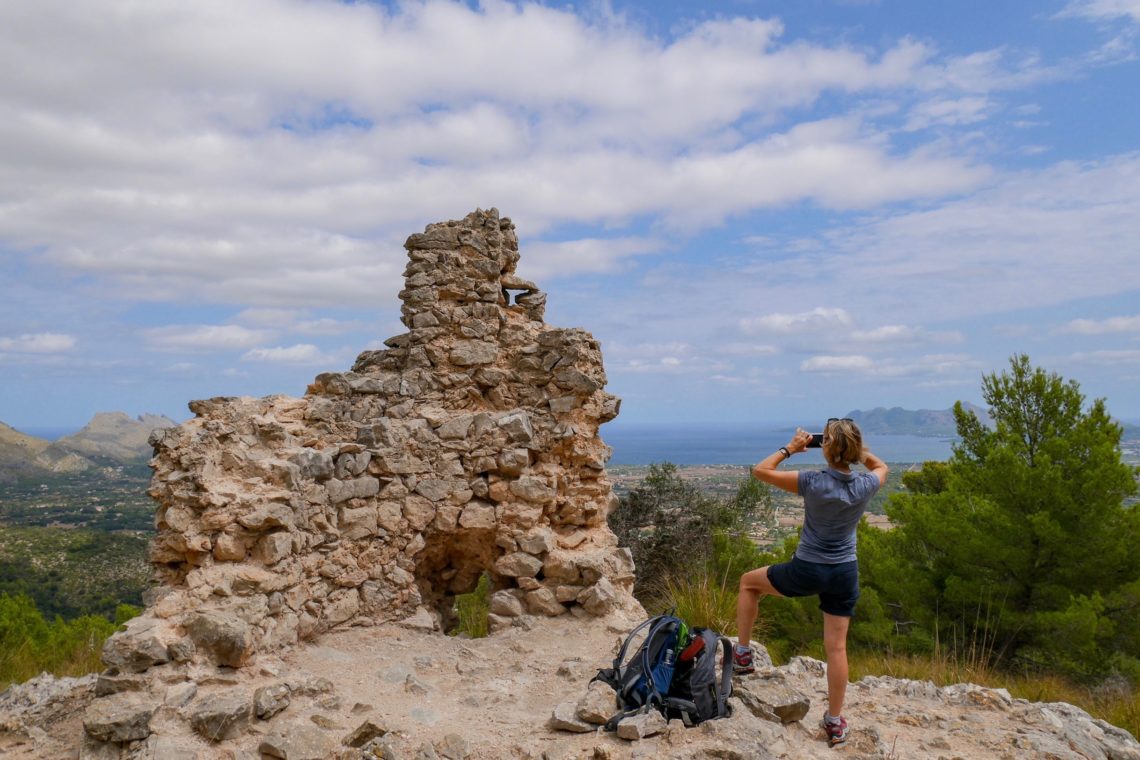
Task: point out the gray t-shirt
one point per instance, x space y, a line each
834 502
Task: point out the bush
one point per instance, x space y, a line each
671 527
472 610
30 645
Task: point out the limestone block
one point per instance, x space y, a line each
436 489
469 353
564 718
358 523
224 637
418 511
456 428
299 742
564 404
342 606
641 725
597 705
517 426
573 379
138 647
560 566
506 604
270 700
477 515
533 490
364 733
600 598
119 718
513 461
357 488
390 515
519 514
499 490
273 548
542 601
180 694
447 518
772 701
107 684
268 517
518 564
221 716
228 548
537 541
313 464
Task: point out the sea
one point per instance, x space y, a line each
734 444
637 444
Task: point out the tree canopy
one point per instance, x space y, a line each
1022 542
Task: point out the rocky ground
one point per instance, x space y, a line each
401 692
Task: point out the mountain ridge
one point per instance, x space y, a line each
109 438
924 422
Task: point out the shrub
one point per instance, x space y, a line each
670 526
472 609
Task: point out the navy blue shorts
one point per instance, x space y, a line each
836 585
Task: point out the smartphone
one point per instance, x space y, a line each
816 441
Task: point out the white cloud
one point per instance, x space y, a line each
203 337
38 343
1120 356
1103 9
1031 239
1101 327
895 335
747 349
301 353
819 319
174 152
948 112
548 260
292 320
853 363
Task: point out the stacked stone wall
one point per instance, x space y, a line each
469 445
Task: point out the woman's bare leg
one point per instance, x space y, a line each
835 645
753 585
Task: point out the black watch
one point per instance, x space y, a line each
784 450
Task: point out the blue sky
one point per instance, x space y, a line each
766 211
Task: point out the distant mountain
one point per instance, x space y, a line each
109 438
899 421
114 436
18 452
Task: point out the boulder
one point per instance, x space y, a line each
120 718
298 742
221 716
225 638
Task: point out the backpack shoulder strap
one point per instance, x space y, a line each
613 675
660 623
725 689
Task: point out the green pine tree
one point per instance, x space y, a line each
1021 545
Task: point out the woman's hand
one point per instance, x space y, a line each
799 441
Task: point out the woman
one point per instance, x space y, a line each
824 563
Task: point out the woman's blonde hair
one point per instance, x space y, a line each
842 442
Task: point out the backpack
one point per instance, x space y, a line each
673 671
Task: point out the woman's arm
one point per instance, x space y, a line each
787 480
877 466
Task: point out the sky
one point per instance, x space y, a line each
765 211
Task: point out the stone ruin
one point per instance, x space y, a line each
468 446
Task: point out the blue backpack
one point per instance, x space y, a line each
673 671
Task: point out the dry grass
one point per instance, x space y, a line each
1114 702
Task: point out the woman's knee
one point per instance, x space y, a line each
756 580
